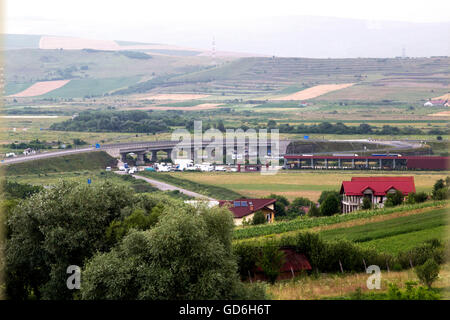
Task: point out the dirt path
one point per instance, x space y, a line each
168 187
314 92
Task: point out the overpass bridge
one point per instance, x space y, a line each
171 147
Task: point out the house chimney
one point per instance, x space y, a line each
251 206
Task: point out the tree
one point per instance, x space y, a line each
441 189
394 199
428 272
270 261
55 228
280 205
326 193
330 206
314 211
187 255
259 218
296 207
366 204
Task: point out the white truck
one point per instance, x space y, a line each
183 164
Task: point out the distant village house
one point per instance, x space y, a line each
374 188
246 208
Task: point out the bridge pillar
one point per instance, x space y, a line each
393 163
123 157
154 156
339 163
140 159
381 164
326 163
312 163
353 163
367 163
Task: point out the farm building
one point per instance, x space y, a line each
374 188
294 264
436 103
246 208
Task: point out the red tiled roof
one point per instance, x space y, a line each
379 185
252 205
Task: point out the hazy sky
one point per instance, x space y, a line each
193 23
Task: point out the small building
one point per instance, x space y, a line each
374 188
436 103
246 208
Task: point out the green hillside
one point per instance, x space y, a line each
69 163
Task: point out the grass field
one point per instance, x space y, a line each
340 286
294 184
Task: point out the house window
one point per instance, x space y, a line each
243 203
237 203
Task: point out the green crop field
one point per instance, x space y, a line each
91 87
398 233
304 223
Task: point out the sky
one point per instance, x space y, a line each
194 23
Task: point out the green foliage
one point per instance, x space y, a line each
187 255
314 211
394 199
259 218
69 163
17 190
428 272
366 204
120 121
330 206
432 249
441 189
280 205
55 228
296 207
138 220
411 292
270 260
416 197
326 193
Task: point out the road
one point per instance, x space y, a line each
168 187
37 156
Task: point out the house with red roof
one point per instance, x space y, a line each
246 208
374 188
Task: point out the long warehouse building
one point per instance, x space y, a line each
366 162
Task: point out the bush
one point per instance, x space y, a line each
330 205
428 272
367 204
314 211
432 249
411 292
270 260
394 199
280 205
259 218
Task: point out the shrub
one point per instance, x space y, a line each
314 211
259 218
330 205
394 199
270 260
367 204
411 292
433 249
428 272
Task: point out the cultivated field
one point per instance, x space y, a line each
292 184
314 92
40 88
173 97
